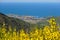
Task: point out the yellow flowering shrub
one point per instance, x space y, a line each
49 32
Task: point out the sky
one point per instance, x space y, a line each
29 0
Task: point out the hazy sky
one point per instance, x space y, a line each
29 0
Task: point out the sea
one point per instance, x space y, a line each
31 9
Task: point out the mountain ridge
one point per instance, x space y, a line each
13 22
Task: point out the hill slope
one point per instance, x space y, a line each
13 22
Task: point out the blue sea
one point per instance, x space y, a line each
31 9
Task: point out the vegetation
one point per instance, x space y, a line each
13 22
49 32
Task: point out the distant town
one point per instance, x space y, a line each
31 19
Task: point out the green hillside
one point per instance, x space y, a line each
20 24
14 23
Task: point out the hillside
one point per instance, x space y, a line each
40 21
25 22
13 22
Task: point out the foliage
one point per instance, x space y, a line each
49 32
